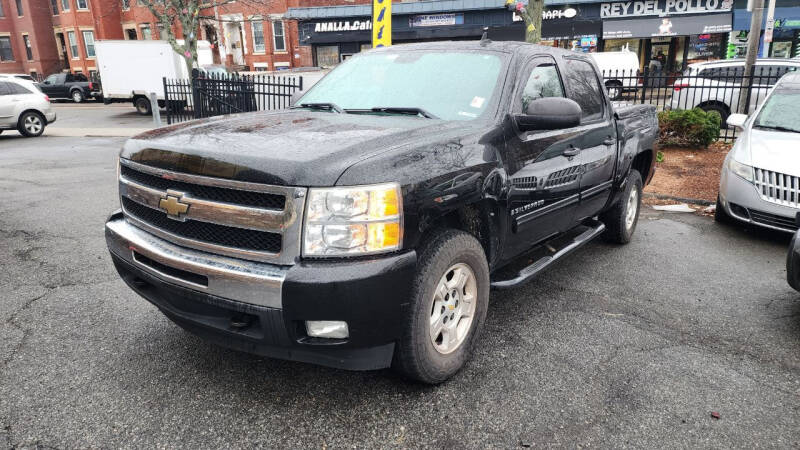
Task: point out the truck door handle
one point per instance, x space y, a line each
570 152
609 142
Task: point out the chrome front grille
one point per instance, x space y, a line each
239 219
776 187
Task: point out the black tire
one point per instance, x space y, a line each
720 215
31 124
721 110
142 106
415 355
614 89
76 95
618 229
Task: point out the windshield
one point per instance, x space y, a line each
780 111
448 85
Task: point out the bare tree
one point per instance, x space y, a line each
187 14
532 15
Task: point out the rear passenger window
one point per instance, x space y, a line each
585 89
15 88
542 82
4 88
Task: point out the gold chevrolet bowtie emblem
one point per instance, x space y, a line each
172 205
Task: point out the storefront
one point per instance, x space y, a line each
338 32
667 34
785 37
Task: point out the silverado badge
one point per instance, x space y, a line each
171 204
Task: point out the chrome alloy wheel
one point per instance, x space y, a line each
32 124
453 308
633 205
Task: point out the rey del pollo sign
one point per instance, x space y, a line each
662 7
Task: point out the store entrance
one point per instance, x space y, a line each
660 56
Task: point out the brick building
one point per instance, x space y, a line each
46 36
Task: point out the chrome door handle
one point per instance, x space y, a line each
570 152
609 142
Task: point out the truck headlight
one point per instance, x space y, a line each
352 221
742 170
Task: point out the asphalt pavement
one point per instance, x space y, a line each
630 346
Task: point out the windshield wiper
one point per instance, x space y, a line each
399 110
777 128
322 107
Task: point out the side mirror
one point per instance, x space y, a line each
550 113
295 97
737 120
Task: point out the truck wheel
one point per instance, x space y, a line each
621 219
142 106
31 124
448 305
77 96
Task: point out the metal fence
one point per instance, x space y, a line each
207 95
711 89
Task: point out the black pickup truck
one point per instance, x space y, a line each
75 87
365 227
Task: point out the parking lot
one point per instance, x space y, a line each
617 346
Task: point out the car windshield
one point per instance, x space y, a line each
445 85
780 111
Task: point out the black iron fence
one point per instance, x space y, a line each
711 89
206 95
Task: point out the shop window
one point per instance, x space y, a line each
365 47
327 55
278 36
781 49
615 45
543 82
88 42
6 52
28 50
73 44
65 5
258 37
54 6
705 47
585 89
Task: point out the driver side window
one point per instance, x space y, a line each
542 82
51 79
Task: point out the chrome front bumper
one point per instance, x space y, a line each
244 281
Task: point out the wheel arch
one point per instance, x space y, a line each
644 162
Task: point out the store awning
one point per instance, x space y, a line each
667 26
785 18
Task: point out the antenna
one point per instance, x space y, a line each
485 38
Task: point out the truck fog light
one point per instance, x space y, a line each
331 329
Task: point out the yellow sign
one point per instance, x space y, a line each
381 23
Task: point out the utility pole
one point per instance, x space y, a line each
756 8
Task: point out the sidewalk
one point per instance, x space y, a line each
93 132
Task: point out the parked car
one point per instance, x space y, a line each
20 76
793 259
70 86
620 71
760 181
714 85
365 231
23 107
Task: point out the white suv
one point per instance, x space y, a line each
24 107
714 86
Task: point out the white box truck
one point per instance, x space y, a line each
131 70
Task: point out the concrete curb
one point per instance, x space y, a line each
94 132
695 201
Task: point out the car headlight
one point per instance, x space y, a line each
743 170
352 221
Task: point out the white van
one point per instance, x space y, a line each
620 71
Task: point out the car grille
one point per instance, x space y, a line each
776 187
245 220
787 223
205 232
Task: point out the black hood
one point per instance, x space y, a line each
293 148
